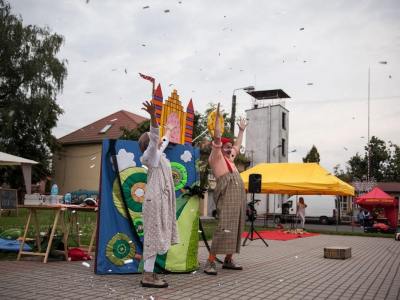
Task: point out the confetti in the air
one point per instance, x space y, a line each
301 29
128 261
166 10
87 265
92 166
145 7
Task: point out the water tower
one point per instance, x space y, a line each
267 137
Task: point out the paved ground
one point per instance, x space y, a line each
286 270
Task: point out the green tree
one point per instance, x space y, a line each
384 162
379 159
134 134
312 155
31 76
393 170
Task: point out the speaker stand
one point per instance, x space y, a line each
252 230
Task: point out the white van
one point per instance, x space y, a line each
320 208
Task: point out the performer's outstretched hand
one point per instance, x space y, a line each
151 109
242 124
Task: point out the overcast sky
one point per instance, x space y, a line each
206 49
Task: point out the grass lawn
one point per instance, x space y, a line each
86 222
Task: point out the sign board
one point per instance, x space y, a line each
8 199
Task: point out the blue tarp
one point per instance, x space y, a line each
12 245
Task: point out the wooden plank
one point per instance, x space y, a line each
53 230
33 253
25 233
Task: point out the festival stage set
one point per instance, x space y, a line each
122 189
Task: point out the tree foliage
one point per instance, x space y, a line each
134 134
31 76
312 155
384 163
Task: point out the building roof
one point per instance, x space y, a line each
105 128
389 187
268 94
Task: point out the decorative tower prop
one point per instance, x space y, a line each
122 188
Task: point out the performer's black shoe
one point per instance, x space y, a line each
230 264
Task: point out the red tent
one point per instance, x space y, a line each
379 199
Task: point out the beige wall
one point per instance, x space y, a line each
77 167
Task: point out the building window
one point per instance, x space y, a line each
284 121
283 147
105 128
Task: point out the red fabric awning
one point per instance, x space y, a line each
379 199
376 197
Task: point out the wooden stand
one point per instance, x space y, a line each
59 220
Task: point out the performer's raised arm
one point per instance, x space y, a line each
242 126
148 142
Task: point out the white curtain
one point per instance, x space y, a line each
27 171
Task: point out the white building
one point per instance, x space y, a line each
267 138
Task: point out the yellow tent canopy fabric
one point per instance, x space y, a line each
297 179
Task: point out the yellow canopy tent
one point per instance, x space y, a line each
297 179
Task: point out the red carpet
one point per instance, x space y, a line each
279 235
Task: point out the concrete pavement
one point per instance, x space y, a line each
292 269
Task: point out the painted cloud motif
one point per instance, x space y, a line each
186 156
125 159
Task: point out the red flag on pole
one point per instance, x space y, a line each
149 78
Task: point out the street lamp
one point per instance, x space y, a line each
233 108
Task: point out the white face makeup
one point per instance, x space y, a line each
227 149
